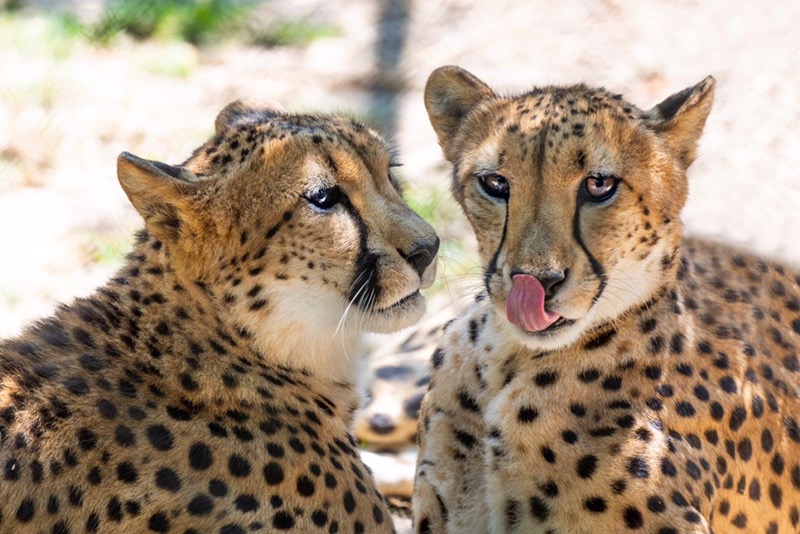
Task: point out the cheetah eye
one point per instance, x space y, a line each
599 187
495 185
324 198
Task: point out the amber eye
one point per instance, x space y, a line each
495 185
600 187
325 198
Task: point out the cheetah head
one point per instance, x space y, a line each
573 193
295 229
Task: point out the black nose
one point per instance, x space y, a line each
381 424
422 254
551 281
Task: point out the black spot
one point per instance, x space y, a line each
656 504
159 522
76 385
595 504
200 504
466 439
633 518
124 436
527 414
467 402
437 359
539 508
612 383
87 440
668 468
238 466
283 520
739 520
126 472
600 340
589 375
217 488
75 496
586 466
160 437
200 456
717 411
728 384
349 502
775 495
745 449
638 467
545 379
684 409
653 372
246 503
738 416
305 486
792 430
273 473
168 479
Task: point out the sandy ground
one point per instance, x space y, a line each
67 110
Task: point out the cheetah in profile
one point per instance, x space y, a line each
209 387
611 376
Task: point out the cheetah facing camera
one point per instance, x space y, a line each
209 386
612 376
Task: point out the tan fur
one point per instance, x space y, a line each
210 386
667 400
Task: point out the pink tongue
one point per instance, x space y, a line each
525 304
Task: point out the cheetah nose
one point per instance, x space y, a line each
422 254
381 424
551 281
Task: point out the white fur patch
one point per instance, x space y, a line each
307 328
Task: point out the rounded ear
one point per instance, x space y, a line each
450 94
159 192
242 111
680 118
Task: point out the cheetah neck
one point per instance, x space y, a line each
172 327
301 328
632 337
308 330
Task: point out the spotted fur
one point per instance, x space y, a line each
210 385
665 399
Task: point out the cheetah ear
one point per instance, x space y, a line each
242 111
161 193
681 117
450 94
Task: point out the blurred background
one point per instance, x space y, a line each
81 81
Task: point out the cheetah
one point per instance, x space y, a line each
210 386
395 383
611 376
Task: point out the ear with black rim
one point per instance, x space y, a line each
450 94
161 194
680 118
244 111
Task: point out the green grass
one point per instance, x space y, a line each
292 33
458 262
197 21
108 249
37 35
194 21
